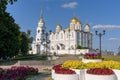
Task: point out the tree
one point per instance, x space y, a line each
30 39
79 47
4 3
9 32
24 44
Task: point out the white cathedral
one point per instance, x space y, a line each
62 41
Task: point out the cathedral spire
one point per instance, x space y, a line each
41 18
40 13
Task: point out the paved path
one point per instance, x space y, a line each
62 59
41 76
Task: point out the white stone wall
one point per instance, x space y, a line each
78 51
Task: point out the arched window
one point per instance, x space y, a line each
37 39
56 36
61 36
72 47
38 31
78 27
72 34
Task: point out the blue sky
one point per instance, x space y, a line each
100 14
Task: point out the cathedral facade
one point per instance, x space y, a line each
63 41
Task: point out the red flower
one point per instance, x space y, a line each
17 72
100 71
59 66
92 56
64 71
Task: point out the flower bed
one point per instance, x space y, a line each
100 71
74 64
81 69
59 73
59 66
78 66
65 74
64 71
92 57
100 74
17 72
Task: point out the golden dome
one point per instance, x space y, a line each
87 25
68 29
78 22
41 20
59 26
87 28
74 20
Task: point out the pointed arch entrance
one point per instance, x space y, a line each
60 46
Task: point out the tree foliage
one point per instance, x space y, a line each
24 45
25 41
30 39
80 47
9 32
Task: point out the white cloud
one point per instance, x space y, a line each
114 39
106 27
70 5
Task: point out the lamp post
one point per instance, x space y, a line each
119 50
100 35
69 40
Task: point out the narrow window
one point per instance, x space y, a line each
61 36
38 31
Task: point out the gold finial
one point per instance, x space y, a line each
40 13
41 18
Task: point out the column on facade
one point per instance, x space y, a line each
91 40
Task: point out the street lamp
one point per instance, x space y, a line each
69 40
118 50
100 35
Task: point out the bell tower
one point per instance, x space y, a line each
40 29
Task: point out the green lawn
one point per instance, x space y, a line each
24 57
111 57
30 57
